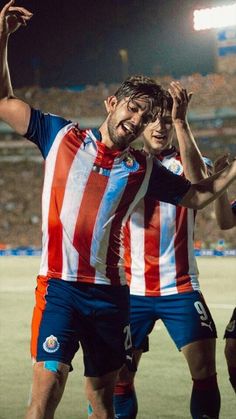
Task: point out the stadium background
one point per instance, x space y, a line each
212 116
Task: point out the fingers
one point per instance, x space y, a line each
178 93
6 7
22 11
221 162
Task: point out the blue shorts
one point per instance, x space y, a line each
230 331
70 314
186 317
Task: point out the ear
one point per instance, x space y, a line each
110 103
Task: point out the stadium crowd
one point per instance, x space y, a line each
212 91
21 200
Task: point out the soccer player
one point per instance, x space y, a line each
162 272
226 219
93 180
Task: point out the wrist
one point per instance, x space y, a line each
4 37
180 123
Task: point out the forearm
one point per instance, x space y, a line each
224 215
6 90
204 192
193 164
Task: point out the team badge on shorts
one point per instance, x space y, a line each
231 326
51 344
174 166
130 164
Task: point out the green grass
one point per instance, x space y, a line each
163 382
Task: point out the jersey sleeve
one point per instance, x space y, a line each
43 128
166 186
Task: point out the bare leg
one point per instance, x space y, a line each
99 392
200 356
47 390
205 398
125 400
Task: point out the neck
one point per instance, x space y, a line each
106 140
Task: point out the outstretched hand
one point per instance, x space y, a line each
181 101
12 17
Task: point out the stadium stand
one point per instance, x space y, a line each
212 115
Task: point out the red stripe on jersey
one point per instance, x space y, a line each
86 220
152 245
113 254
181 248
65 156
105 156
127 251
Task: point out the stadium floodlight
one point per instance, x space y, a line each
215 17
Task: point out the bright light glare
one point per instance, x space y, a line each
215 17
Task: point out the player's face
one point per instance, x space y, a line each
127 120
158 135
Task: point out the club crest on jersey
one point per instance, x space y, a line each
51 344
174 166
231 326
130 164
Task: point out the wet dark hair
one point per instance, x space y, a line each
139 86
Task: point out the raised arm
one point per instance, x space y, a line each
204 192
13 111
225 215
193 163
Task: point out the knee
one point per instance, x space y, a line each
201 359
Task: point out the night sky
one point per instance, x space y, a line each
73 42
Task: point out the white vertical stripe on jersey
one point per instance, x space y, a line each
140 194
109 203
74 190
167 266
46 195
193 269
137 235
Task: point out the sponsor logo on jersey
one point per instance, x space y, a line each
130 164
231 326
174 166
51 344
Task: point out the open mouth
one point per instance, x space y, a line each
159 138
129 130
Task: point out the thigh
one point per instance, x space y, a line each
142 320
187 318
54 334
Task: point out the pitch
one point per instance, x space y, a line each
163 381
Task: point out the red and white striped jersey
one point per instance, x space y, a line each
159 255
89 192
